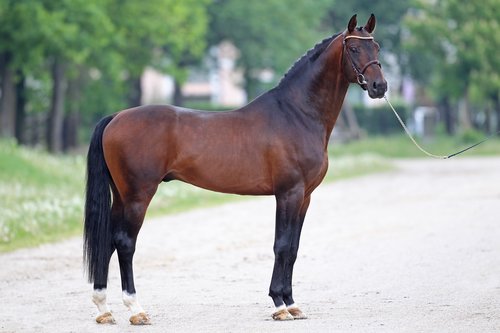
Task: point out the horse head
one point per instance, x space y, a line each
360 58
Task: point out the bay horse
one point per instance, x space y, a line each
275 145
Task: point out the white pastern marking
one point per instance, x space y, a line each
291 306
99 299
281 307
130 301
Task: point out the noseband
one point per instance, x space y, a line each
359 73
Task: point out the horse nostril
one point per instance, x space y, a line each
380 86
383 86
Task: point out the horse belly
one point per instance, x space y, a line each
226 172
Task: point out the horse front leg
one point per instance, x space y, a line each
288 225
292 307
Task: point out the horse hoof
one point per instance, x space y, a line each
282 315
297 313
140 319
105 318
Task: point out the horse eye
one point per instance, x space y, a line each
354 49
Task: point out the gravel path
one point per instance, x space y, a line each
414 250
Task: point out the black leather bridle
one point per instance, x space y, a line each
360 77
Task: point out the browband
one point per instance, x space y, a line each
357 37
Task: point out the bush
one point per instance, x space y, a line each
470 136
380 120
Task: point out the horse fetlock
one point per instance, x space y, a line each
130 301
99 299
296 312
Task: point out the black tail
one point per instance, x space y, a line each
97 238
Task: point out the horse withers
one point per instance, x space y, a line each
275 145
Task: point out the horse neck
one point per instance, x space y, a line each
329 86
322 88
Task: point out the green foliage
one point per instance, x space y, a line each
101 43
32 30
471 136
269 34
380 120
20 34
450 47
158 32
454 46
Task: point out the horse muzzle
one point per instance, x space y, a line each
376 88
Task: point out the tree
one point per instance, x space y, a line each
185 50
158 33
37 35
74 29
269 34
20 52
72 56
453 50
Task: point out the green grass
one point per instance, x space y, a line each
41 196
400 146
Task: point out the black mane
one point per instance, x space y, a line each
311 55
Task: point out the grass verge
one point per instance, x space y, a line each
400 146
41 195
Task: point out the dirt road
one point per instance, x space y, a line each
414 250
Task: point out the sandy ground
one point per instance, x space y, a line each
414 250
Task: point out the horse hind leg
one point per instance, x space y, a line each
125 237
105 316
100 284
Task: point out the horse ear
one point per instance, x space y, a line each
352 24
370 25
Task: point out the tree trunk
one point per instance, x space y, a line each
70 131
178 96
72 119
56 114
21 108
447 113
135 91
8 98
251 86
